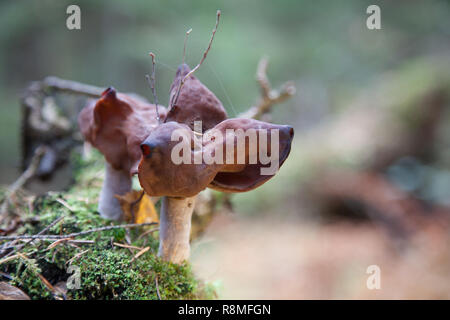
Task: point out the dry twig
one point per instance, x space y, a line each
24 178
147 232
72 87
7 259
157 287
78 234
40 233
65 204
140 253
185 42
46 283
205 54
151 81
126 246
76 256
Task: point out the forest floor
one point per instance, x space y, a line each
274 258
120 263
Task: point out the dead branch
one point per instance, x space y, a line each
72 87
269 96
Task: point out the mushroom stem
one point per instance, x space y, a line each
117 182
175 228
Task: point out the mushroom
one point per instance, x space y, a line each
194 102
116 124
176 159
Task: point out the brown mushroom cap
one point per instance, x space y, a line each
195 102
160 176
116 125
249 176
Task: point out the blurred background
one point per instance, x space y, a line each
368 178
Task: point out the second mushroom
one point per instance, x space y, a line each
194 129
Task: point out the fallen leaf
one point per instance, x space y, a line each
137 208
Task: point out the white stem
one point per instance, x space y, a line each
116 182
175 228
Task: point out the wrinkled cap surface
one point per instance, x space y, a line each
238 178
116 124
195 102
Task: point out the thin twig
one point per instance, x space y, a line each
57 242
4 260
78 234
76 256
76 241
70 241
40 233
24 177
30 171
140 253
205 54
51 225
182 63
147 232
126 246
65 204
46 283
185 42
157 287
151 81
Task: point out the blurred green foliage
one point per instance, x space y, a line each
322 45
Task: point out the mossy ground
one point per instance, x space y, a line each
106 270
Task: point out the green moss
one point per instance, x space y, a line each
106 270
